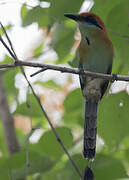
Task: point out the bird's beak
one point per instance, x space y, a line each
75 17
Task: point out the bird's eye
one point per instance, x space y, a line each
89 23
95 23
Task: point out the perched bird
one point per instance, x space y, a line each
95 55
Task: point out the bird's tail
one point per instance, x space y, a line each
88 174
90 129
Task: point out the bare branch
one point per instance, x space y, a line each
41 70
65 70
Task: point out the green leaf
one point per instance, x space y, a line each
38 51
6 28
62 40
73 100
49 84
107 167
37 14
74 63
37 164
9 81
4 170
6 60
59 7
73 105
24 11
67 172
118 22
5 175
16 164
113 119
49 145
34 108
103 7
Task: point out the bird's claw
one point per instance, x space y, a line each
81 70
114 78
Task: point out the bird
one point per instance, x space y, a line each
95 54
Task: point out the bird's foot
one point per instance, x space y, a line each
114 78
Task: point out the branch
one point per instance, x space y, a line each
74 71
65 70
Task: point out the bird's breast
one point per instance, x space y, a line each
96 56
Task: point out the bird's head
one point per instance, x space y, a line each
89 23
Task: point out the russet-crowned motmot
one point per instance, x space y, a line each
95 55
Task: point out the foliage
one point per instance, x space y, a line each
47 159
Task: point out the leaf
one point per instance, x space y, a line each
73 100
119 23
58 8
37 164
34 108
9 80
62 41
107 167
113 120
4 171
74 63
49 145
102 166
103 7
17 165
73 105
49 84
6 28
6 60
67 172
24 11
37 14
38 51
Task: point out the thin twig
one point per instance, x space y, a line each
118 34
10 43
37 72
31 131
42 108
27 159
5 45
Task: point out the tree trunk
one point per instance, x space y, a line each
7 120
